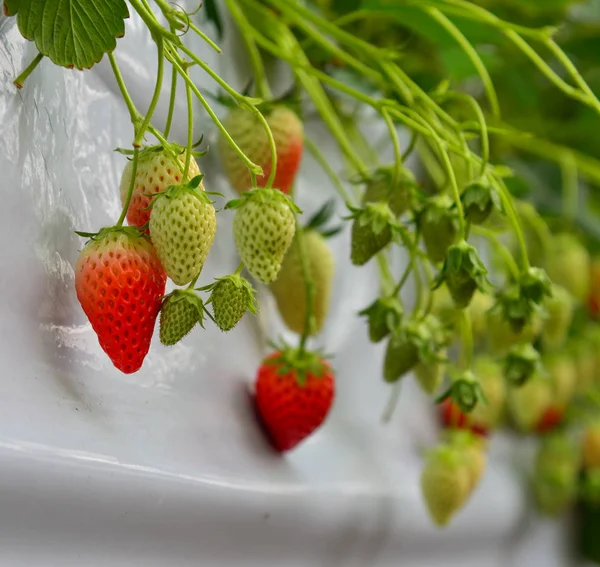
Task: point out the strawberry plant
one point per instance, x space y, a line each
500 328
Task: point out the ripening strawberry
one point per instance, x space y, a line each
120 282
591 446
263 227
156 170
445 482
183 224
294 393
289 288
231 297
568 265
249 134
180 312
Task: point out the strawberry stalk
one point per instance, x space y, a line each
18 82
190 132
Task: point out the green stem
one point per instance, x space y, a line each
171 102
411 146
396 144
308 286
272 147
385 276
133 113
134 164
536 222
262 85
190 133
18 82
139 136
471 54
193 282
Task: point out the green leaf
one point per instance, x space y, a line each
212 15
71 33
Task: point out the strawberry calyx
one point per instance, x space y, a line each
189 297
265 196
378 216
465 391
535 285
129 231
384 315
192 186
479 200
463 273
299 362
318 221
516 309
521 363
240 283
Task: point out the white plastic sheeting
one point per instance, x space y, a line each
167 466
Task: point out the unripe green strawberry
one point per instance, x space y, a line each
401 356
371 231
529 403
249 134
473 450
156 170
231 297
381 189
555 474
568 265
430 375
559 314
289 288
489 373
181 310
478 309
263 227
384 316
591 446
183 224
562 373
445 483
438 223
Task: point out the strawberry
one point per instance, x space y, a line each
294 393
438 223
478 309
180 312
555 474
562 373
263 227
473 450
403 350
530 403
445 482
429 371
568 265
501 336
156 170
550 420
559 314
430 375
289 288
119 282
183 224
591 446
371 231
489 373
384 316
249 134
231 296
381 189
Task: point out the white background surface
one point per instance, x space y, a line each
167 466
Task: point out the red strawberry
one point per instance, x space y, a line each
249 134
550 419
120 283
294 392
